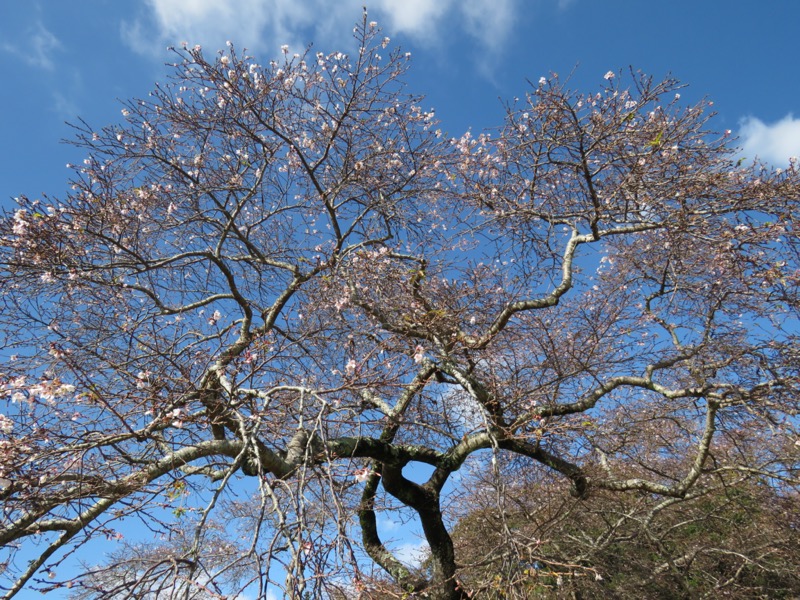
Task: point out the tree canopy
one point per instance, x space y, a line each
274 291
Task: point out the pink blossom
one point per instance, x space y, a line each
419 354
20 224
6 424
362 475
609 76
142 377
350 367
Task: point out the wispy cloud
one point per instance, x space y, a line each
774 143
255 24
263 25
411 553
64 106
416 18
38 47
489 22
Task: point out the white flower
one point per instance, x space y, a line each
542 80
64 389
224 60
20 224
6 424
142 377
419 354
4 482
362 475
609 76
350 367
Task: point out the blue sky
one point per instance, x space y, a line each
64 60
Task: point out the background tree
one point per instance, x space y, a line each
273 288
728 538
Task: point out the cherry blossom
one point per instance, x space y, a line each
361 475
271 272
419 354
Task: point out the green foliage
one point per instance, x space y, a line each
736 542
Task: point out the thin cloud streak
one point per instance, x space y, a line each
38 49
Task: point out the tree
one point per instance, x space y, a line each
736 539
273 288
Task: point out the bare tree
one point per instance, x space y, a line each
273 288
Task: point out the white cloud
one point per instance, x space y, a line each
417 18
411 553
387 524
64 106
489 22
255 24
774 143
38 48
264 25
